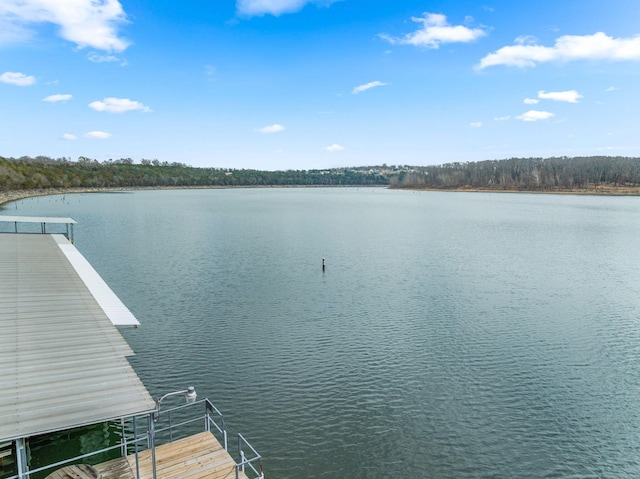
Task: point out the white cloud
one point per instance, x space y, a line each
276 8
17 78
530 101
97 58
98 135
87 23
368 86
526 40
612 88
334 147
57 98
70 137
275 128
434 31
598 46
476 124
118 105
11 33
501 118
535 115
569 96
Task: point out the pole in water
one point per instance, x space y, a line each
323 264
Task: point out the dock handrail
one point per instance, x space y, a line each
212 417
210 408
135 439
247 457
248 462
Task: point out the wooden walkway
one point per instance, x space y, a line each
195 457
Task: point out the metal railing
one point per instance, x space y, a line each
168 425
75 460
247 459
251 462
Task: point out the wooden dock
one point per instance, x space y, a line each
195 457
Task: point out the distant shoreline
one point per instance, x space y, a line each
592 191
15 195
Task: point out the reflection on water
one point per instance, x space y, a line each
50 448
451 335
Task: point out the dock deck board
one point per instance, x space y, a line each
195 457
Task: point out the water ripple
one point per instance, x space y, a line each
450 335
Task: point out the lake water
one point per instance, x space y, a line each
452 335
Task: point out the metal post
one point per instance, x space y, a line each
224 434
135 442
123 439
240 451
21 458
152 434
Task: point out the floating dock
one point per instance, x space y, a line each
198 456
63 365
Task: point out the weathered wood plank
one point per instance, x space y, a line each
75 471
196 457
116 469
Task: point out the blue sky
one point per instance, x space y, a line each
301 84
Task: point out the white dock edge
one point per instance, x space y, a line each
116 311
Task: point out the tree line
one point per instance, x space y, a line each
43 172
527 174
519 174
